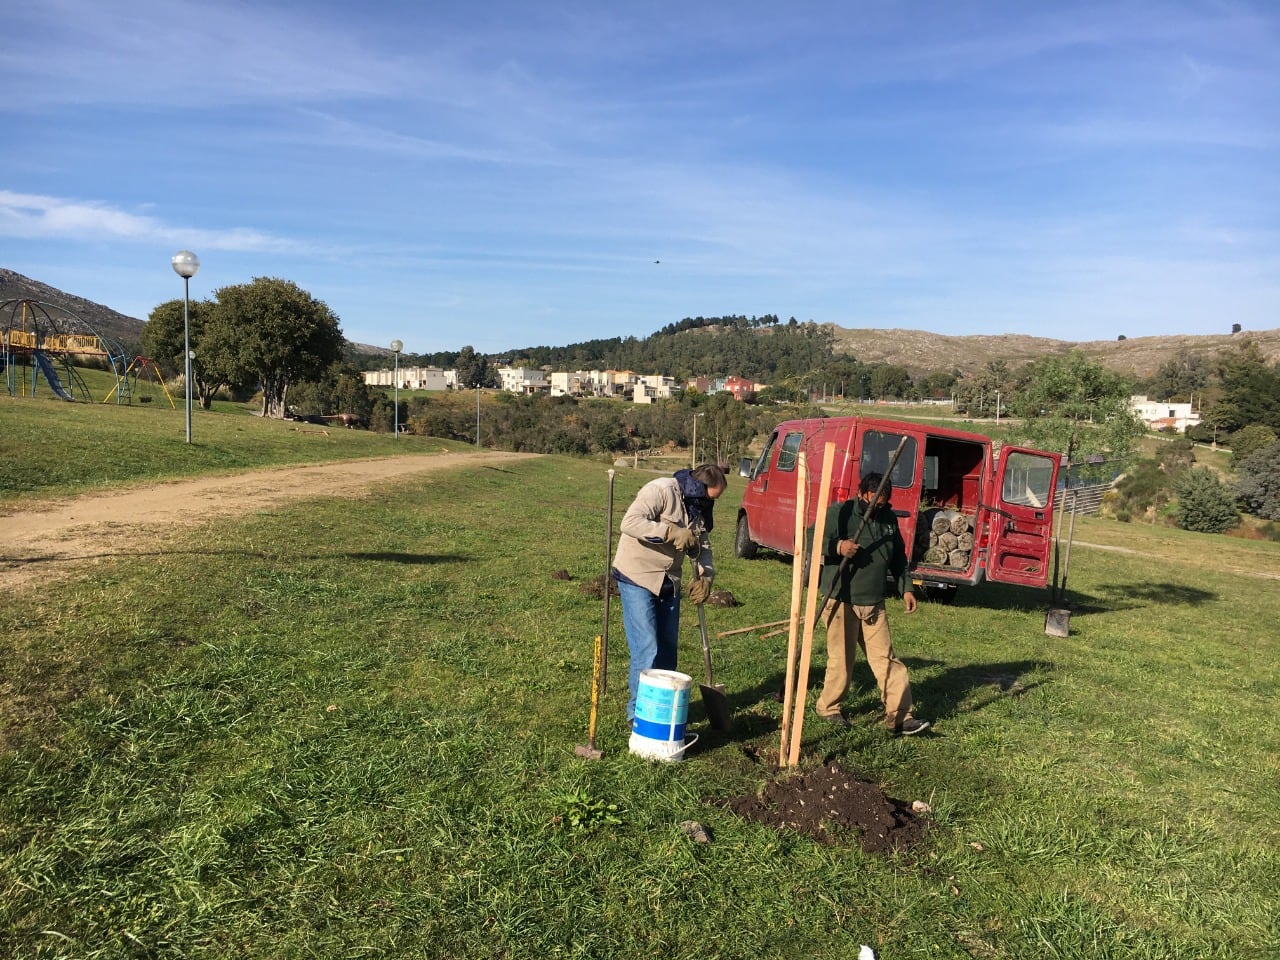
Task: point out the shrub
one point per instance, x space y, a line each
1258 483
1205 503
1248 441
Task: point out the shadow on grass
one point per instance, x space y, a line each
1131 596
406 558
961 689
376 557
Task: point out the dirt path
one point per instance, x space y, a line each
49 540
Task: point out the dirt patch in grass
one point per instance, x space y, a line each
833 806
46 539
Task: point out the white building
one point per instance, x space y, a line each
523 380
412 378
1159 416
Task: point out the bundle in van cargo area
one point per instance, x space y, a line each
944 538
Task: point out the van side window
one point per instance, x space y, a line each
878 447
790 452
1026 480
762 464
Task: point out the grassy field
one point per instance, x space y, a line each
342 732
49 447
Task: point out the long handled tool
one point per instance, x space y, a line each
714 700
1057 622
857 534
600 653
589 750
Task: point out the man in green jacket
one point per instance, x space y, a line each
855 615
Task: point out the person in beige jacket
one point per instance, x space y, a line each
669 518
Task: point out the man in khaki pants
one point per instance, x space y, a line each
855 616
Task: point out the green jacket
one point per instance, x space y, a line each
881 556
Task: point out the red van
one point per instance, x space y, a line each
965 514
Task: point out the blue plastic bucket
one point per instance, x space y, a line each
662 708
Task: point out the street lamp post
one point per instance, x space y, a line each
185 264
397 346
693 454
477 413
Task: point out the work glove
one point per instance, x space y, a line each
699 590
682 538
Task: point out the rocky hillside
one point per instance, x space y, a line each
921 352
104 321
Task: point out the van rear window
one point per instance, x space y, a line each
790 451
1026 480
878 447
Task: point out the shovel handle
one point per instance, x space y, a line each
857 534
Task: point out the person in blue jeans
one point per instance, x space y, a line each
669 519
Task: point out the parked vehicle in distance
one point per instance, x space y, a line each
966 515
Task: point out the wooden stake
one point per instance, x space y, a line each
793 620
811 601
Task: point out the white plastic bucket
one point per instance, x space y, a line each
662 708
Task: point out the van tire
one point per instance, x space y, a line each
744 548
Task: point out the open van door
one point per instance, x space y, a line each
1022 518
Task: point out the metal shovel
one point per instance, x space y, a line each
714 699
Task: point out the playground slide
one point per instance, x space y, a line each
50 374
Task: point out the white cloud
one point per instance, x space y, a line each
34 217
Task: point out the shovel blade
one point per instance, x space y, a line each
716 703
1057 623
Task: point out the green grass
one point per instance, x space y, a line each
49 447
338 732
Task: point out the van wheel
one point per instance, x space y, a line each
744 548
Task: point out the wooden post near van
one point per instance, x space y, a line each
811 601
793 621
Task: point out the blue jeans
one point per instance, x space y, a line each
652 625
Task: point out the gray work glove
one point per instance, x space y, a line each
682 538
699 590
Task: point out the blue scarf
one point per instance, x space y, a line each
696 502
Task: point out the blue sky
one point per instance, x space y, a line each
506 174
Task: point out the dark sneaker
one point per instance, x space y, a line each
838 719
910 727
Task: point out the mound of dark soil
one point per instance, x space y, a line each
596 587
832 806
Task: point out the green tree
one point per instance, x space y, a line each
1250 388
163 340
1258 483
1248 440
977 395
272 333
890 382
1205 503
1179 377
474 370
1073 405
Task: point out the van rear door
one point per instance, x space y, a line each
1021 520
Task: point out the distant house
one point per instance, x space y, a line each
1163 416
523 380
740 387
411 378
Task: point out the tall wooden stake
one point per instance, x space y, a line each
811 601
797 587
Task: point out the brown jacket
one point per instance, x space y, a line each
643 555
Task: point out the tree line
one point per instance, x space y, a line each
271 337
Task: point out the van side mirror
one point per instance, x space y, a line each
744 467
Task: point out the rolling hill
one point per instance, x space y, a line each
917 350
